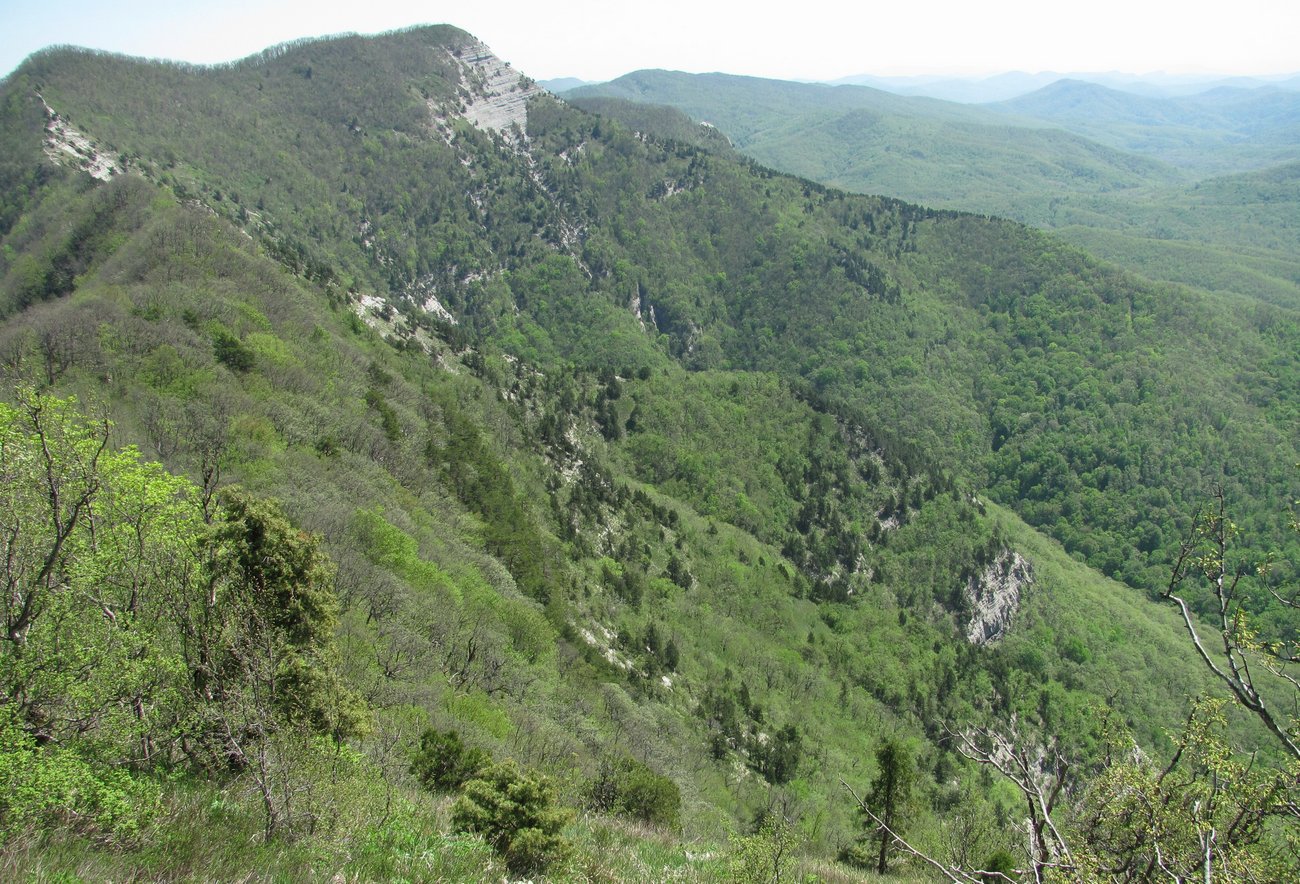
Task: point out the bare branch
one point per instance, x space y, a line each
1217 531
957 876
1039 777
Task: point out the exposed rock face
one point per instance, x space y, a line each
65 145
498 93
994 596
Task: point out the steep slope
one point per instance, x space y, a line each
933 152
488 345
664 122
566 243
1138 213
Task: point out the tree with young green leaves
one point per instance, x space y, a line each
765 856
1204 814
137 634
1231 587
95 548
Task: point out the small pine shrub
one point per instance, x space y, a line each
231 352
515 812
443 763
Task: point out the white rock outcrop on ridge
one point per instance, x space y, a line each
994 596
64 144
499 94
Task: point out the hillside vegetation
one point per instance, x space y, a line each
1216 131
1197 190
932 152
391 496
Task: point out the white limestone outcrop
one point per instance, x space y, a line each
65 145
498 94
994 596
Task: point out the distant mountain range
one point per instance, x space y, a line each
1219 128
563 84
1230 125
1013 84
937 152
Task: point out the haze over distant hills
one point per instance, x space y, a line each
563 84
936 152
1224 129
1012 84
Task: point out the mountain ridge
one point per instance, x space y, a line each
1085 189
523 486
859 133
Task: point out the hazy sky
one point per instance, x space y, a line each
811 39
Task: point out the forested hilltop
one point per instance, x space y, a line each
409 475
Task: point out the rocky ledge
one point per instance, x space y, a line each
994 596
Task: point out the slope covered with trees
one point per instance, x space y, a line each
443 505
1198 190
932 152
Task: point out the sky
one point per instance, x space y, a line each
809 39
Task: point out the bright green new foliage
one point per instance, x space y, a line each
696 464
136 636
94 549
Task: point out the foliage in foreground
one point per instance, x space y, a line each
145 630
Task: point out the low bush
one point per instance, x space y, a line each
443 763
628 787
515 812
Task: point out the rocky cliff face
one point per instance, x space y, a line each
498 94
994 596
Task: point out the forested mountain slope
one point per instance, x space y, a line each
674 478
1216 131
932 152
1170 188
1235 235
